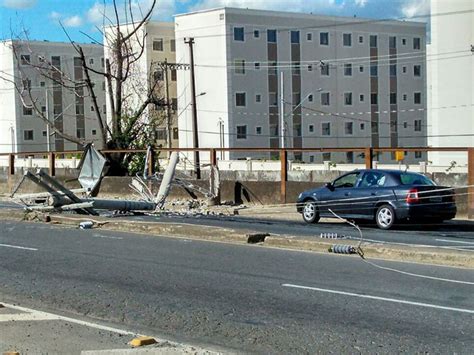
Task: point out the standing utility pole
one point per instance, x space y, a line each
47 117
282 112
197 169
168 111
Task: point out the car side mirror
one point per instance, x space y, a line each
330 186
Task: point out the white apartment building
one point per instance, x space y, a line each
21 130
347 82
159 46
451 79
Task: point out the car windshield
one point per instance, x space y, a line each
415 179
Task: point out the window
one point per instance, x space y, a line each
404 97
296 98
25 59
91 61
309 36
373 70
417 70
42 84
373 179
405 124
271 36
404 69
173 75
324 38
274 130
348 98
361 97
44 133
310 67
174 104
326 156
239 34
161 134
240 99
102 62
373 41
374 127
393 70
347 39
295 37
242 132
362 126
258 130
173 45
80 133
392 42
43 109
417 43
92 109
404 41
348 128
158 44
296 130
417 125
393 98
239 66
325 100
326 128
310 98
324 70
257 66
221 16
417 154
361 39
28 135
347 181
374 99
361 69
350 157
94 132
311 158
311 128
256 34
258 98
417 98
27 111
272 99
348 69
175 133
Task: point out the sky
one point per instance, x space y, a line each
41 18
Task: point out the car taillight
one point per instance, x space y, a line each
412 196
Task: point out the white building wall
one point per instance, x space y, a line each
8 129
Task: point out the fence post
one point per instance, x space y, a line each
151 161
470 183
369 158
11 164
213 157
284 174
52 163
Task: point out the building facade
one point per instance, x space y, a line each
21 130
451 80
279 79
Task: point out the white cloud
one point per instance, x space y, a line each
73 21
360 3
414 8
54 15
19 4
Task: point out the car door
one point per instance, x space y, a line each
370 189
337 197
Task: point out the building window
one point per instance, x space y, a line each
417 154
309 36
173 45
174 104
392 42
417 125
362 126
256 34
393 98
42 84
239 34
417 98
80 133
239 66
94 132
417 43
325 100
43 109
91 61
173 75
361 69
405 97
417 70
295 37
295 68
175 133
27 111
28 135
324 38
374 99
361 97
350 157
326 156
310 67
347 39
393 70
361 39
92 109
311 128
373 41
297 130
25 59
348 69
374 127
161 134
404 41
296 98
405 124
324 69
404 69
258 98
242 132
310 98
348 128
158 44
272 99
257 66
258 130
44 133
274 130
326 128
374 70
311 158
348 98
271 36
102 62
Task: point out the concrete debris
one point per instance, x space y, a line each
196 208
257 238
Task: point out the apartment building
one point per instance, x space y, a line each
451 80
159 47
21 130
317 81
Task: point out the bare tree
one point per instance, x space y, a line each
133 95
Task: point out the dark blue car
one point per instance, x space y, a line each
386 196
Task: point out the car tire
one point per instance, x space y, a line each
310 212
385 217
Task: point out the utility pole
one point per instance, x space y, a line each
47 117
197 169
282 112
168 111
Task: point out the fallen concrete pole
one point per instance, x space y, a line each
121 205
166 181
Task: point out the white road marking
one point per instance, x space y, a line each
428 305
41 314
26 317
105 236
454 241
17 247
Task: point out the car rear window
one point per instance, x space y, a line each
415 179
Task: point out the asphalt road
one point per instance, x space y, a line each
245 298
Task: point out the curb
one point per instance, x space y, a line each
416 254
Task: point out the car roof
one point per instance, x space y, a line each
390 171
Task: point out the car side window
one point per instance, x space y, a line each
373 179
346 181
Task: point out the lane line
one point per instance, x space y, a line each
26 317
454 241
17 247
71 320
393 300
105 236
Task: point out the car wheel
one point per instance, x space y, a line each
310 212
385 217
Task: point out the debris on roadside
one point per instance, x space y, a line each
255 238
